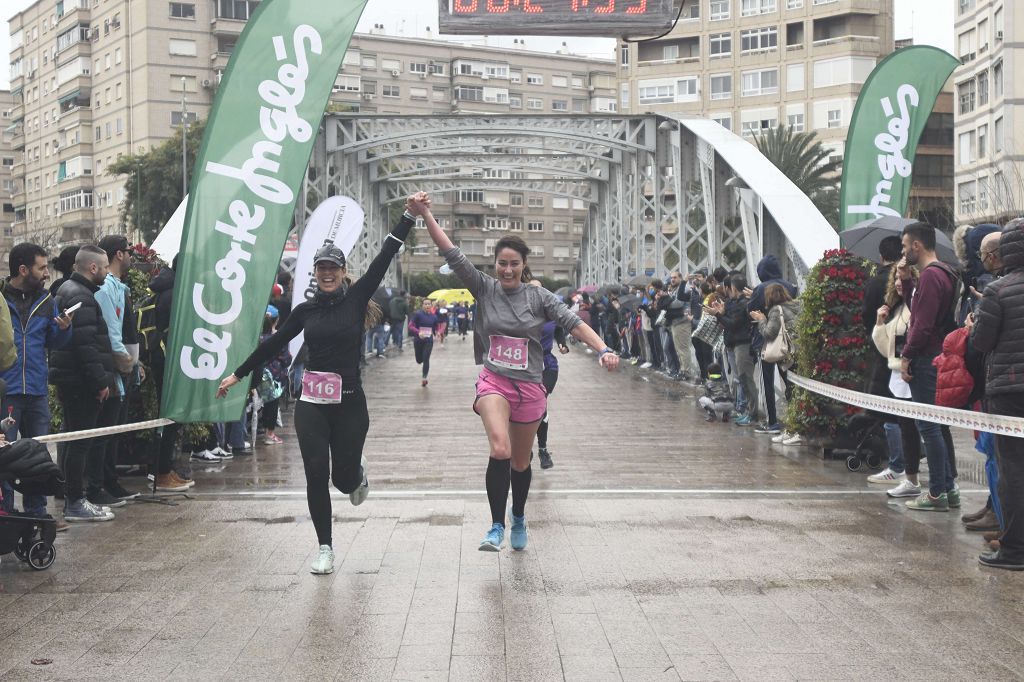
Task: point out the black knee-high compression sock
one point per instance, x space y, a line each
498 476
520 489
542 433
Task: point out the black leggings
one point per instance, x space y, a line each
268 415
550 378
331 440
423 348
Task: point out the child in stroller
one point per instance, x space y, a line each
861 440
26 464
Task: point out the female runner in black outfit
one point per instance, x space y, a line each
331 419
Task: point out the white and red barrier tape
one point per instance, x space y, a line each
105 431
965 419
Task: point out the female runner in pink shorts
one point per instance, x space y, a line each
510 396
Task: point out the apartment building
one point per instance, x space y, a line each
394 75
989 118
754 64
95 79
932 198
6 176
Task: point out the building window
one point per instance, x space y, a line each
796 122
515 200
656 94
535 201
669 52
983 88
534 103
535 226
391 91
967 92
183 10
175 120
687 90
515 101
999 134
559 81
721 86
997 78
751 8
437 69
759 39
720 44
624 55
181 48
982 141
967 193
471 196
559 105
720 9
967 148
515 225
534 79
469 93
758 126
834 118
764 82
417 93
418 68
367 61
724 120
236 9
560 227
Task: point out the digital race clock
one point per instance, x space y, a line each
610 18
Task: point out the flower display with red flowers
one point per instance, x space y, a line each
832 345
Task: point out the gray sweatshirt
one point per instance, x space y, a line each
519 313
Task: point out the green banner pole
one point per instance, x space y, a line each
249 171
891 113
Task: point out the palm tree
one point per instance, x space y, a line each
804 160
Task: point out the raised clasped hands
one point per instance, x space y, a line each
418 203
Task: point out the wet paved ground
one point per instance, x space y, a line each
661 548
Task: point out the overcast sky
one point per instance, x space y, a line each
929 22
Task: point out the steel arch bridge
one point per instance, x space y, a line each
661 192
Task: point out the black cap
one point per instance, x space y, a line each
331 254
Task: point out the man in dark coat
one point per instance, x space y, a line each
84 373
998 331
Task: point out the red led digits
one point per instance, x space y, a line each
498 6
531 8
576 4
607 9
465 6
640 8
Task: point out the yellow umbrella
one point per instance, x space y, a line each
452 296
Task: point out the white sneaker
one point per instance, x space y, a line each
781 437
358 496
221 452
904 489
886 477
792 439
646 365
324 562
205 456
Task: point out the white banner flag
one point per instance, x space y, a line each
338 221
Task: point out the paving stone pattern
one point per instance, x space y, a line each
787 572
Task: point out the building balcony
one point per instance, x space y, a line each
81 48
75 222
75 11
82 83
78 182
847 44
219 60
17 111
79 115
74 150
824 7
226 27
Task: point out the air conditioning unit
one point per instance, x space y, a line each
999 35
423 74
395 73
485 77
492 205
207 83
116 23
591 88
367 96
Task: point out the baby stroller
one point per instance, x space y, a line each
28 467
861 440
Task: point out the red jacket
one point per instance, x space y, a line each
953 383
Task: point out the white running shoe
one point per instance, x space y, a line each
324 562
781 437
792 439
358 496
205 456
646 365
221 452
885 477
904 489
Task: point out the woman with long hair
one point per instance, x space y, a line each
781 308
510 396
331 419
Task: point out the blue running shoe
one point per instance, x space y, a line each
517 537
492 543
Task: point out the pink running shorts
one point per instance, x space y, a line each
528 400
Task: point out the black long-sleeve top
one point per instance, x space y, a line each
333 323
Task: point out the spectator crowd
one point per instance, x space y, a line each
941 334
